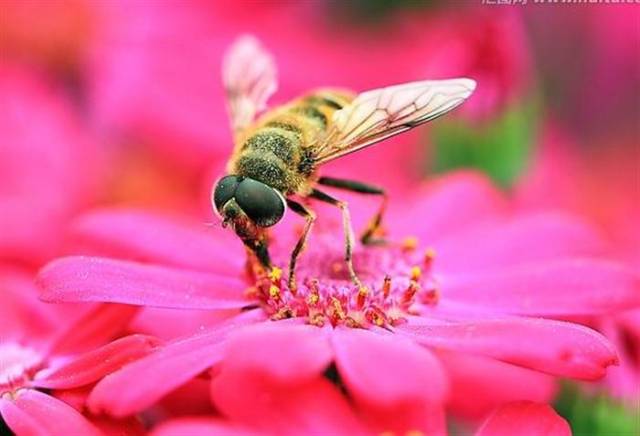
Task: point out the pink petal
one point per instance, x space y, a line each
164 370
192 398
525 419
447 205
387 369
146 237
35 413
555 347
21 312
48 163
564 287
285 353
93 328
480 384
510 242
201 426
315 407
74 279
95 364
415 417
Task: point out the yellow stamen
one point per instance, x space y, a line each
416 273
362 296
429 256
410 292
274 292
313 299
410 243
338 311
386 286
317 319
275 274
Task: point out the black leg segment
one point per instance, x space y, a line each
309 217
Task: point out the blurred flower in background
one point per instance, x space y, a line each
49 165
119 104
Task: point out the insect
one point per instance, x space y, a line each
277 156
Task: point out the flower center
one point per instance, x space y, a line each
17 366
395 277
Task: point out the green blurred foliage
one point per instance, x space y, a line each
597 414
371 11
500 147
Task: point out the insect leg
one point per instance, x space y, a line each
367 236
348 231
309 217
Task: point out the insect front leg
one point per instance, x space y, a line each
348 231
368 237
310 218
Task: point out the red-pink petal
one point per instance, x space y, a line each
48 161
407 418
480 384
446 205
35 413
93 328
555 347
525 418
78 278
387 369
164 370
95 364
504 242
142 236
284 352
201 426
564 287
315 407
21 312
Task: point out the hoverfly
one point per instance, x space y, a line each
277 156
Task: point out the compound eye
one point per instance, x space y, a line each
225 189
264 205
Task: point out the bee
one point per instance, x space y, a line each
277 156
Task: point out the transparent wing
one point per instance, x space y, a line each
249 76
381 113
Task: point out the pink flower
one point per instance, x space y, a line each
45 351
47 166
489 290
50 33
600 185
526 419
488 45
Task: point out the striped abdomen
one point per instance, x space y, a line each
278 151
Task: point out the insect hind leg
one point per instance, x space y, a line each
369 235
347 228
